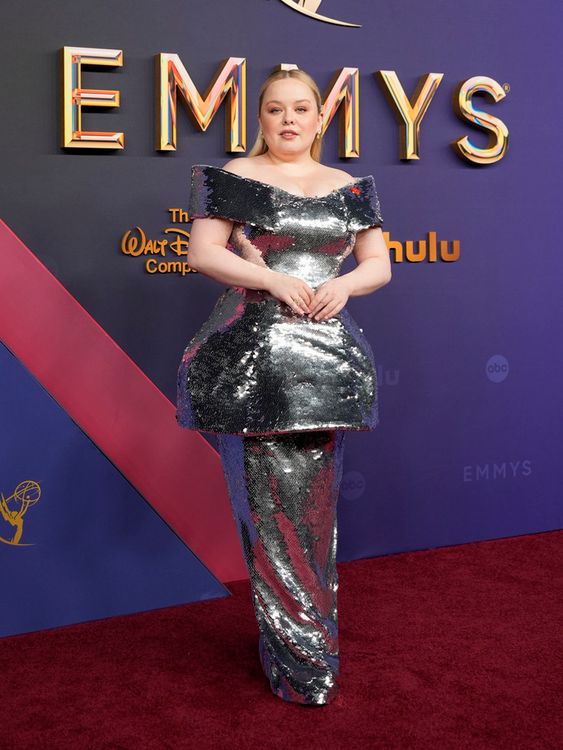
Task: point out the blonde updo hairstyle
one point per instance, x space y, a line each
260 146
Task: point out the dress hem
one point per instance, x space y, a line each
330 426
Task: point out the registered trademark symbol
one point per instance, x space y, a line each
506 87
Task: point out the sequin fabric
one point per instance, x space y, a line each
284 491
280 389
255 367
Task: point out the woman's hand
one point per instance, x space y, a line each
330 297
290 289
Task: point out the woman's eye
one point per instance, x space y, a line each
276 109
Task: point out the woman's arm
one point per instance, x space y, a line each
208 254
372 272
374 265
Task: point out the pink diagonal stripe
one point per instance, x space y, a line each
117 406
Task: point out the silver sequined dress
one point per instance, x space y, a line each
255 367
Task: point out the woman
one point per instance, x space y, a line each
280 370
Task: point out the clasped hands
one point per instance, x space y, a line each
324 302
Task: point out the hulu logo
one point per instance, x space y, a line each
429 250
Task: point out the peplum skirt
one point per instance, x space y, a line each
257 368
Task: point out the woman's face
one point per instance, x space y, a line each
289 105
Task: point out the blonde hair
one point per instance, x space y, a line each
260 146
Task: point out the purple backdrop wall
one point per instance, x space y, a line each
469 352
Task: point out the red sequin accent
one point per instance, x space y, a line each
355 190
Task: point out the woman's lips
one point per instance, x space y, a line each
288 136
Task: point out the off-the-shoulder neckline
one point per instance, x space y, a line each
287 192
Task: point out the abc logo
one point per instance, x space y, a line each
497 368
352 485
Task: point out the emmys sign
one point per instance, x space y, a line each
229 83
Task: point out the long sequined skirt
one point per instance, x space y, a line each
284 491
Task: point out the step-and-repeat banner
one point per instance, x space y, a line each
106 505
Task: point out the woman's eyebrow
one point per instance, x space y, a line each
276 101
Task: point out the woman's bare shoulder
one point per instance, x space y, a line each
339 176
245 166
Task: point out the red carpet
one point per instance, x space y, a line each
458 647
